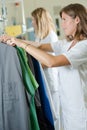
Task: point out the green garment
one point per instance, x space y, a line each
30 84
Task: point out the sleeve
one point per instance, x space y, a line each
77 55
57 46
53 37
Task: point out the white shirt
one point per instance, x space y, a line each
50 73
51 37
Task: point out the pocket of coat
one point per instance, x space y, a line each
10 91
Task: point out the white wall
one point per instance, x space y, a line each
50 5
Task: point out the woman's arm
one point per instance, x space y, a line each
46 47
43 57
8 39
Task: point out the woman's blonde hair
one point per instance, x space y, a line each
77 10
44 22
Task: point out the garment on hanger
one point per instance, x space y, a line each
14 108
30 85
45 117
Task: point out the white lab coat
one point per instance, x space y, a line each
73 84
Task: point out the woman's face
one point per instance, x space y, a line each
69 24
34 23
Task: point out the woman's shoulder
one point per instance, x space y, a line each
53 33
52 36
82 42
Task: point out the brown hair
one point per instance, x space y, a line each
74 10
44 22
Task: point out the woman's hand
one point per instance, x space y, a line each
4 38
7 39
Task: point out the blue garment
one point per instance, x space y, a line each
42 91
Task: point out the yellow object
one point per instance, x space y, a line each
13 30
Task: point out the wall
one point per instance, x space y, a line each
53 6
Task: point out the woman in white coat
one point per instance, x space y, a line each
45 32
72 63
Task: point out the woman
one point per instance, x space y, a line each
72 62
45 33
43 25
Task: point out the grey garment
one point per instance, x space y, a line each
14 109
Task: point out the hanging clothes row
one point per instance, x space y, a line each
30 86
47 114
24 103
45 103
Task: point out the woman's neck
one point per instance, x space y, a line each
72 44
